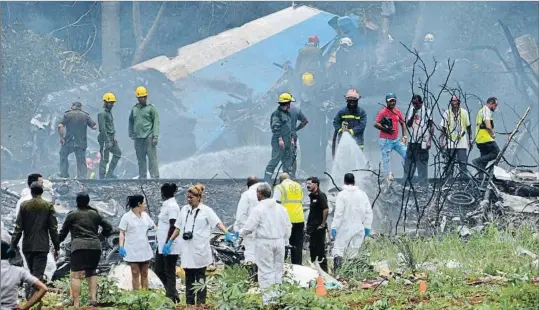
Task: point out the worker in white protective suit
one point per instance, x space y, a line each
271 227
351 223
248 201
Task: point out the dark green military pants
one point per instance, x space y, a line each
80 156
145 148
278 154
106 150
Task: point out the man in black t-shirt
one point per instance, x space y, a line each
316 223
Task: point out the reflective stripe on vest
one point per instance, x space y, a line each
348 116
452 126
481 133
292 200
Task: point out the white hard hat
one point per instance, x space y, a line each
429 37
346 41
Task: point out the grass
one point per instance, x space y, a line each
487 272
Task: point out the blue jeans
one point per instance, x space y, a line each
388 145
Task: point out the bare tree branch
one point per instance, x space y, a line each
139 52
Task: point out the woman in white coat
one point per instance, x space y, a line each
195 223
134 245
351 223
165 265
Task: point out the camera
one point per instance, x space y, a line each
187 235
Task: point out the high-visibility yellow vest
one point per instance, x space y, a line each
481 133
292 200
451 125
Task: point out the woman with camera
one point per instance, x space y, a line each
195 223
134 245
83 224
165 265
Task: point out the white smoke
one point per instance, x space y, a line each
237 163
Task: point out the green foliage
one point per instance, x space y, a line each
145 300
294 298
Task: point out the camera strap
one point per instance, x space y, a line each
194 218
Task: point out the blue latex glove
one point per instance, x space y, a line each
166 249
333 233
154 246
9 250
123 253
228 236
237 234
367 232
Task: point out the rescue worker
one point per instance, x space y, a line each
313 144
93 159
281 140
351 118
74 140
290 194
296 115
485 135
269 224
417 153
351 223
108 141
456 136
37 225
346 67
388 121
316 222
144 130
310 58
248 201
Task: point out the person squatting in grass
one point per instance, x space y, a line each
12 279
135 248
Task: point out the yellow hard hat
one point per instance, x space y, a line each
141 92
286 98
308 79
109 97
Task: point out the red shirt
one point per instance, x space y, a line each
395 115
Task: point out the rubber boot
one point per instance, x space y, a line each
337 263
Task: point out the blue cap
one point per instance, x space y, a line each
390 96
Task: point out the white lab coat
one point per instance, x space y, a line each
248 201
136 244
353 213
170 210
50 268
271 227
196 253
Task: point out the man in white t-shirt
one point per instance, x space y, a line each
419 120
456 136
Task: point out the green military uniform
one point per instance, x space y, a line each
281 127
107 143
75 141
143 128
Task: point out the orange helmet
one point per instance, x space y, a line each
352 94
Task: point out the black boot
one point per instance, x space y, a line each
337 263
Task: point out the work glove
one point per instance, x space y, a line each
228 237
123 253
367 232
166 249
333 233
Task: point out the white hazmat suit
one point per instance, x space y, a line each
353 213
271 227
248 201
